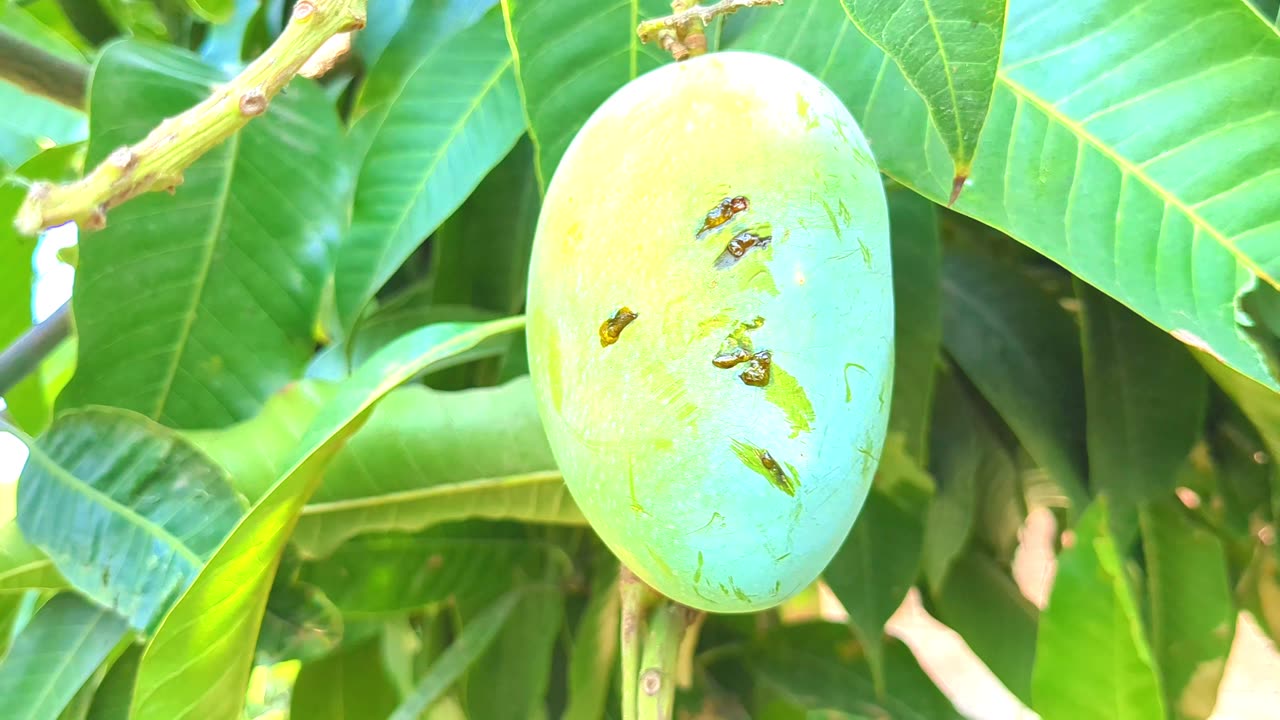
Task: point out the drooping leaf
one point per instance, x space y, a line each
427 457
880 559
1145 401
564 73
474 639
1193 614
348 684
194 309
1059 165
210 633
149 509
23 566
917 317
1022 352
948 50
55 654
391 573
456 117
1092 653
982 603
820 666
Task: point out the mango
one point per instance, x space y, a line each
710 327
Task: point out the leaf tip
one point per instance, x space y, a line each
957 185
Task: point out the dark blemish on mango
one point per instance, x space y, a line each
848 392
757 373
782 557
612 328
739 245
722 213
736 356
762 463
697 574
736 347
777 586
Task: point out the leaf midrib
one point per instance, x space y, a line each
436 491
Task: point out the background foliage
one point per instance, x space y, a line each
289 462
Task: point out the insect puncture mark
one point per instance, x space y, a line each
762 463
757 373
722 213
612 328
736 347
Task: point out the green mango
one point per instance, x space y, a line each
710 327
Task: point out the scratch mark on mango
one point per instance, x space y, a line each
697 573
848 392
785 392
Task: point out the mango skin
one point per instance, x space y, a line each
658 445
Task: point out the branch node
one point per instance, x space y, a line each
651 681
303 10
253 102
123 158
97 218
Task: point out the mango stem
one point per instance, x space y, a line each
660 675
636 597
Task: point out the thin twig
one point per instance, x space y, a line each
26 353
42 73
158 161
681 20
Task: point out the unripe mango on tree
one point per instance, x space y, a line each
710 327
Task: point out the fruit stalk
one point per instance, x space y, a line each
636 597
658 679
158 161
683 33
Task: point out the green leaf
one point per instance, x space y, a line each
818 665
474 639
300 622
149 509
880 559
1192 611
42 23
981 602
194 309
566 73
213 11
1120 138
111 701
386 574
1022 352
1269 10
349 684
1145 401
457 116
1092 656
25 401
510 678
917 319
32 124
221 611
55 654
948 50
427 457
23 566
595 647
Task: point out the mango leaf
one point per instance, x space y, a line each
1061 166
917 318
55 654
820 666
470 643
300 622
948 50
1092 656
427 457
1268 9
42 23
209 635
386 574
1193 614
349 683
194 309
564 73
213 11
1022 351
595 647
111 701
150 509
981 602
23 566
510 678
1145 401
25 401
457 116
880 559
34 124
